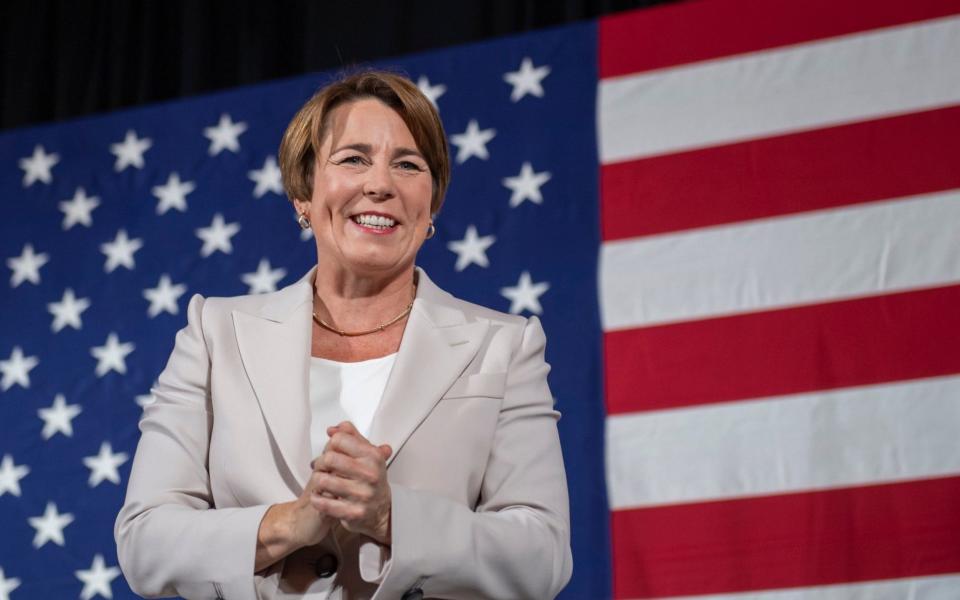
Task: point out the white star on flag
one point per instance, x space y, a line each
104 465
526 185
7 585
225 135
472 249
50 526
78 209
120 251
16 369
526 80
217 236
130 151
432 92
26 267
472 142
112 355
10 476
67 311
163 298
264 279
268 178
97 579
173 194
59 417
37 167
525 295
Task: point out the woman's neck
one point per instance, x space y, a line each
354 302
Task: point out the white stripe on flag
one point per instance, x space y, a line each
852 78
937 587
801 442
812 257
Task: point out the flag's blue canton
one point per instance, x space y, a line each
184 200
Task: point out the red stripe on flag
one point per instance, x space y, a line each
865 341
851 164
814 538
693 31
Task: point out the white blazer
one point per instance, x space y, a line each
479 492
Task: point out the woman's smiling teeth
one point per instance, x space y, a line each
377 221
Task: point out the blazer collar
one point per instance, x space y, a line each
274 342
438 344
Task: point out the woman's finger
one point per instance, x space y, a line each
313 483
345 446
362 469
370 518
351 445
348 428
338 508
353 490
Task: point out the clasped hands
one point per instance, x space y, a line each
349 485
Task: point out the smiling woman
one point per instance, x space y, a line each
370 208
360 433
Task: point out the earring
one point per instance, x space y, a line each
302 221
431 230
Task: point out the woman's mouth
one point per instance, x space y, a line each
378 223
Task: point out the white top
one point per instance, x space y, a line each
345 391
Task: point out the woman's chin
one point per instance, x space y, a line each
367 255
375 263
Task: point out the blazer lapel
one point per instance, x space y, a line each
437 346
275 349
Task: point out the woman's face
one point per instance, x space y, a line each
370 208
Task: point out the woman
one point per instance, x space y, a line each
360 433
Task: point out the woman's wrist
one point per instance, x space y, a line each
279 535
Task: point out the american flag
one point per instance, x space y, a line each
779 289
737 219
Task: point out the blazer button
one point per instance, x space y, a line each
413 594
326 566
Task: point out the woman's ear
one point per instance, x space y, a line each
301 206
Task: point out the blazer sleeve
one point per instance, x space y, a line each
171 539
516 544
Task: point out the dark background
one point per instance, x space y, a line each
63 59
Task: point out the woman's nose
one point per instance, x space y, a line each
379 183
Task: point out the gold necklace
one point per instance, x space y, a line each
380 327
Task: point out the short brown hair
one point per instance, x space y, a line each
302 140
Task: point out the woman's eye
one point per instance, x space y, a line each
351 160
409 166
